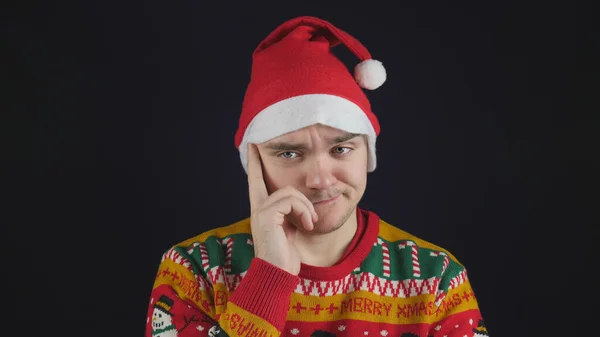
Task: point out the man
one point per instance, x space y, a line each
308 261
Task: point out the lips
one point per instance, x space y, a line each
325 201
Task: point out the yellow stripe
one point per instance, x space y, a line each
240 227
367 306
235 320
183 283
391 233
239 322
361 305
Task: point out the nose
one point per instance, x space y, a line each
320 174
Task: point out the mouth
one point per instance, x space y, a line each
326 201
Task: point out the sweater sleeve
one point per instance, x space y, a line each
457 312
189 300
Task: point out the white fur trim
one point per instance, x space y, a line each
301 111
370 74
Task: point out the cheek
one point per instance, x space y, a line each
353 175
276 178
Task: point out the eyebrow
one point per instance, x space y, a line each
287 146
344 138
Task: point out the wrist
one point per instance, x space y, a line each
265 291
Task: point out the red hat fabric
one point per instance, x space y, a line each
296 81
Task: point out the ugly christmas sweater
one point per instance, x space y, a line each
388 283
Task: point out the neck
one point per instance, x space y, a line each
324 250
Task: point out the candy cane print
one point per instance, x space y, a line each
446 260
415 256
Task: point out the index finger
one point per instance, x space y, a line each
256 184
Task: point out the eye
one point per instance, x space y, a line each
341 150
288 155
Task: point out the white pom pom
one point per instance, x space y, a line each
370 74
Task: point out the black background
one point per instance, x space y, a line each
119 144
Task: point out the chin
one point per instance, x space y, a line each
326 226
332 218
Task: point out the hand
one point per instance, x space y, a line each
273 233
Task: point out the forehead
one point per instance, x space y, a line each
324 132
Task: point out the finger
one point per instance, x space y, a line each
290 231
291 205
256 184
290 190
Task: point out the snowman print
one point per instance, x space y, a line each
162 320
214 331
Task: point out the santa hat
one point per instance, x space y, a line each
296 81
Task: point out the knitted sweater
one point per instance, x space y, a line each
389 282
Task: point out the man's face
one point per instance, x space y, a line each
327 165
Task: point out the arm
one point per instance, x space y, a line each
187 300
258 306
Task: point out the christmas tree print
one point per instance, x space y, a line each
215 331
